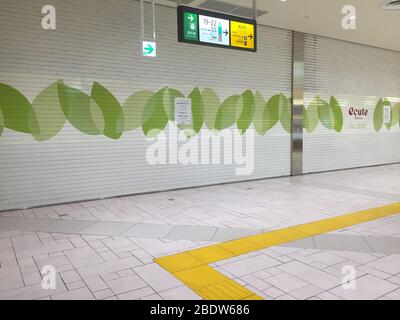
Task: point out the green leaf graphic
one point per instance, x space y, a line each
325 113
169 102
197 113
247 101
154 117
211 105
270 116
1 122
259 104
385 104
17 111
133 108
81 110
337 114
101 113
112 111
395 115
311 117
227 115
49 113
285 112
378 116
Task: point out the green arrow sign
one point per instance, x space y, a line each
149 49
190 26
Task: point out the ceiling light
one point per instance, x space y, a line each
391 5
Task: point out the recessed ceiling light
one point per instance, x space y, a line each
391 5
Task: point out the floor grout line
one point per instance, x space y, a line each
369 246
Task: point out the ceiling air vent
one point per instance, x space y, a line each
392 5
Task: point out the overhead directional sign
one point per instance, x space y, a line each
149 49
216 29
242 35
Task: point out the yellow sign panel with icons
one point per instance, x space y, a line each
242 35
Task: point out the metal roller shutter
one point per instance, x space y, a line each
349 130
99 41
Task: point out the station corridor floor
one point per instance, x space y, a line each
333 235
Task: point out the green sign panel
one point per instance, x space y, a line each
190 26
197 26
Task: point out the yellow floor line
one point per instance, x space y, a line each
191 267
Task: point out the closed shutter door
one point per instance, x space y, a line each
78 103
348 90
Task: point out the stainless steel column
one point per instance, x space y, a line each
297 104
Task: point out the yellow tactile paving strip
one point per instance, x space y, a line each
191 267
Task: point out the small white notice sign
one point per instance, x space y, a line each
183 111
387 114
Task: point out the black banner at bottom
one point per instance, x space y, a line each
195 309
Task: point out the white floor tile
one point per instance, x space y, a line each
309 274
367 287
389 264
250 265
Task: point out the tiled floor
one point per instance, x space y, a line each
105 249
294 273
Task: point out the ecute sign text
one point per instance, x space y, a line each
358 118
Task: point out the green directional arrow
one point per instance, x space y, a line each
149 49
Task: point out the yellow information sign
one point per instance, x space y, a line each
242 35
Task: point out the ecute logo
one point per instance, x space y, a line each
358 113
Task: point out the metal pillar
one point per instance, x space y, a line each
255 9
297 104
